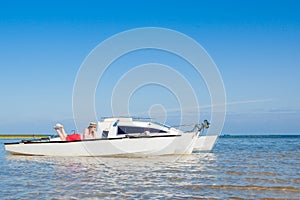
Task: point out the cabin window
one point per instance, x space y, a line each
105 134
134 129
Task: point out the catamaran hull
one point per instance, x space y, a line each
182 144
205 143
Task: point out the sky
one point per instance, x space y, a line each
255 45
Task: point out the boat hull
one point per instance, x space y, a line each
162 145
205 143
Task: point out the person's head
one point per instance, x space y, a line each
92 126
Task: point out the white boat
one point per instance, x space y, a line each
116 137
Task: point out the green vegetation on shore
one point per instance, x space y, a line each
22 136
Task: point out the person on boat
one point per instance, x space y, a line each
90 132
62 134
60 131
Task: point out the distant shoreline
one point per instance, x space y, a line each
16 136
259 136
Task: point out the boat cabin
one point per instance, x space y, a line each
127 126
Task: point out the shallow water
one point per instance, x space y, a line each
249 168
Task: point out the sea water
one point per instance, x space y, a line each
246 168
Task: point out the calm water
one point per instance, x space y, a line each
250 168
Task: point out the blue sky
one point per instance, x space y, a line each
255 44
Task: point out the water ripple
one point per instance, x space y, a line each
237 169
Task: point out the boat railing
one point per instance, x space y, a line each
199 127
